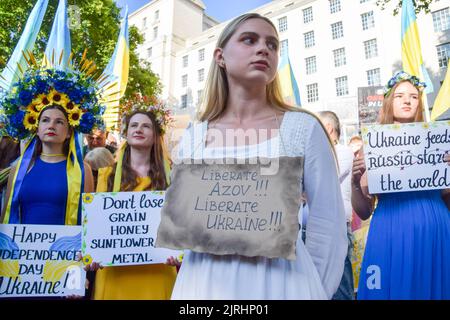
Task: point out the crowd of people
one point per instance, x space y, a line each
409 233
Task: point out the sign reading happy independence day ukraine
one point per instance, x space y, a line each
407 157
40 261
119 228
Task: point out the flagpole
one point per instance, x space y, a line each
426 109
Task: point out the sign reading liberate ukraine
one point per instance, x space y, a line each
119 228
407 157
40 261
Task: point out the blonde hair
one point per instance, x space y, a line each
216 91
386 115
99 158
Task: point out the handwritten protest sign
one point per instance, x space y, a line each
120 228
407 157
40 261
233 209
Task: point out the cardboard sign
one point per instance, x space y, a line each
233 208
40 261
119 228
408 157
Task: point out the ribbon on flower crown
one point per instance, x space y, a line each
118 173
75 182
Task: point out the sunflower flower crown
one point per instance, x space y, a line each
149 104
72 90
402 76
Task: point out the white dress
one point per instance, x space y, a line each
317 271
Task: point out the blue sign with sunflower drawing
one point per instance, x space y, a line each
40 261
119 228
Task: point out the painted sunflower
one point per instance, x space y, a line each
87 259
88 198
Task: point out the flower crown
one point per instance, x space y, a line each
146 104
402 76
38 88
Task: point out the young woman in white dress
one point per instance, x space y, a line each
243 93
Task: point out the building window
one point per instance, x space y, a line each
335 6
155 33
183 101
201 54
144 23
311 66
149 52
284 47
184 81
337 30
441 20
185 61
370 48
368 20
199 96
156 15
309 39
312 91
282 24
339 57
341 86
307 15
201 75
373 77
443 52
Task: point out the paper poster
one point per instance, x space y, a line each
119 228
40 261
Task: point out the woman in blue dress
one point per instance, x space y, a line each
42 197
407 253
49 109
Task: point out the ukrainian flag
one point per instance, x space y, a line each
59 46
116 73
26 42
442 102
411 51
289 87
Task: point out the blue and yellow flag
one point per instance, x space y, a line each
26 42
442 102
411 51
116 73
59 46
289 87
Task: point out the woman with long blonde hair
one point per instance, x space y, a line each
243 93
407 254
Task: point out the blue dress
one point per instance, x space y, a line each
407 252
43 194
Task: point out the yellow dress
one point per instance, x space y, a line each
141 282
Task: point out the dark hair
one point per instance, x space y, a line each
9 151
156 171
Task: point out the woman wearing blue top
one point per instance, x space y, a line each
43 194
407 253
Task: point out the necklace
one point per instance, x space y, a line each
53 154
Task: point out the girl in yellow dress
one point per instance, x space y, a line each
141 165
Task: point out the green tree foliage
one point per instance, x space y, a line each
420 5
96 30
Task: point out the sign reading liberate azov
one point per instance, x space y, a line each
231 208
119 228
407 157
40 261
